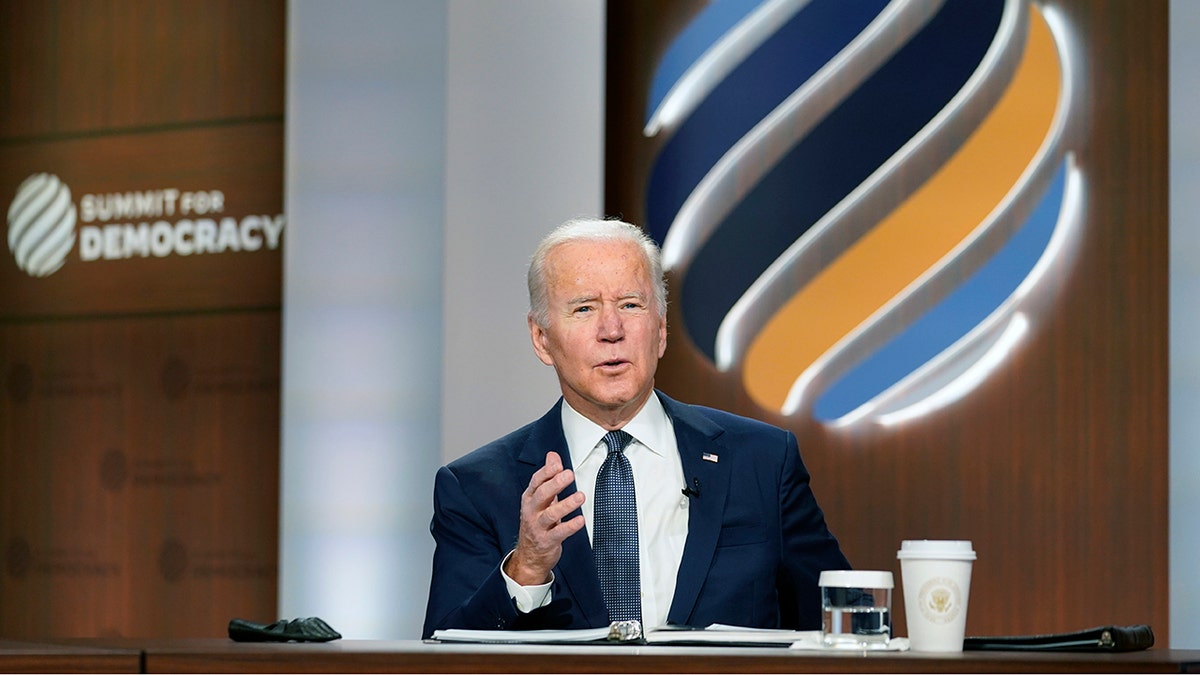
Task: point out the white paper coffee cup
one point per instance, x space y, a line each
936 576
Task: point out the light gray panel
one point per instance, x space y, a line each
1185 325
524 152
362 311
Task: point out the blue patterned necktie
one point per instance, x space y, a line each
615 539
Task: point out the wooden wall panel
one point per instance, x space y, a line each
91 66
139 416
140 473
1056 466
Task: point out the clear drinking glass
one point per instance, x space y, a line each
856 608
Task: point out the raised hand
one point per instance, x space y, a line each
543 530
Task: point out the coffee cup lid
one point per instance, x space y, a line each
855 579
941 549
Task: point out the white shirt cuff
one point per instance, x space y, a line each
528 598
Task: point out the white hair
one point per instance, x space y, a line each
591 229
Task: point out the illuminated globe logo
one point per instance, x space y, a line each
860 202
41 224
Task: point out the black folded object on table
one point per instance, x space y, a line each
311 629
1099 639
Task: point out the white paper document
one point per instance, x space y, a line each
715 634
719 633
816 644
522 636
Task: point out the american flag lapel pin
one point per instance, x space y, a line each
709 457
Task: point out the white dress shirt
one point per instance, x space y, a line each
662 507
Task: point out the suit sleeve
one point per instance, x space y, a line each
466 588
808 545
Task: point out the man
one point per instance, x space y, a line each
726 529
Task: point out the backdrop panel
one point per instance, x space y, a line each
141 166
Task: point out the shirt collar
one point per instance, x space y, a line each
649 427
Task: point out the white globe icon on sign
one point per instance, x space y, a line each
41 224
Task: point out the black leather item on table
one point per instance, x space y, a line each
1099 639
311 629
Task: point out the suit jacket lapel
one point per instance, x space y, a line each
576 569
700 453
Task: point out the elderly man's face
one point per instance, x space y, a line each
604 335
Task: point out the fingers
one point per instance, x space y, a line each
567 528
542 512
548 481
551 517
551 471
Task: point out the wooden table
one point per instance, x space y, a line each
409 656
18 656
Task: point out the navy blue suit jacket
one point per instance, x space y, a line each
756 538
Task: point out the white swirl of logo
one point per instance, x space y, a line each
41 224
